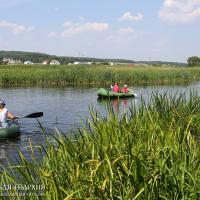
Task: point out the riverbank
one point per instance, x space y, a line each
42 75
152 153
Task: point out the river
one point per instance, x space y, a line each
64 109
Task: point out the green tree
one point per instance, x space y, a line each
194 60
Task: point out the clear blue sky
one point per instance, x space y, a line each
165 30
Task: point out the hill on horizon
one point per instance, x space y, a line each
37 57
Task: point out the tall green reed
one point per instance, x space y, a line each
38 75
151 153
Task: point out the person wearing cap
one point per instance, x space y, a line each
115 88
125 89
4 115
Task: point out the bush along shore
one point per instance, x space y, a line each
151 153
41 75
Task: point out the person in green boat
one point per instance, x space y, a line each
115 88
125 89
4 115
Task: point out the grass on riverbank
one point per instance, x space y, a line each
40 75
152 154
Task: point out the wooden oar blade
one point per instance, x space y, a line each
34 115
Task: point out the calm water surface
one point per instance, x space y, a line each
64 109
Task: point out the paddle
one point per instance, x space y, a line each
32 115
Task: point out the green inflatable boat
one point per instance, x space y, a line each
10 132
106 93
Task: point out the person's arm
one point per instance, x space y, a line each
10 116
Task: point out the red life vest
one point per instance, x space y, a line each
125 89
115 88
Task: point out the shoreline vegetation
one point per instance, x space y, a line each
63 75
151 153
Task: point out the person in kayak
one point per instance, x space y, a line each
4 115
115 87
125 89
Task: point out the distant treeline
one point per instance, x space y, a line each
40 57
159 63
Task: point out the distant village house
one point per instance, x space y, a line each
11 61
28 62
55 62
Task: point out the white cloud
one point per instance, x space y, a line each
52 34
128 16
180 11
127 30
72 29
67 24
82 18
16 28
56 9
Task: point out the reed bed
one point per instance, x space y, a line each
38 75
151 153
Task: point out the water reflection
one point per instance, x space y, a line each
118 105
115 104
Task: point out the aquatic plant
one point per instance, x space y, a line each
40 75
151 153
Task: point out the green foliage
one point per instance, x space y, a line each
151 153
23 56
193 61
40 57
